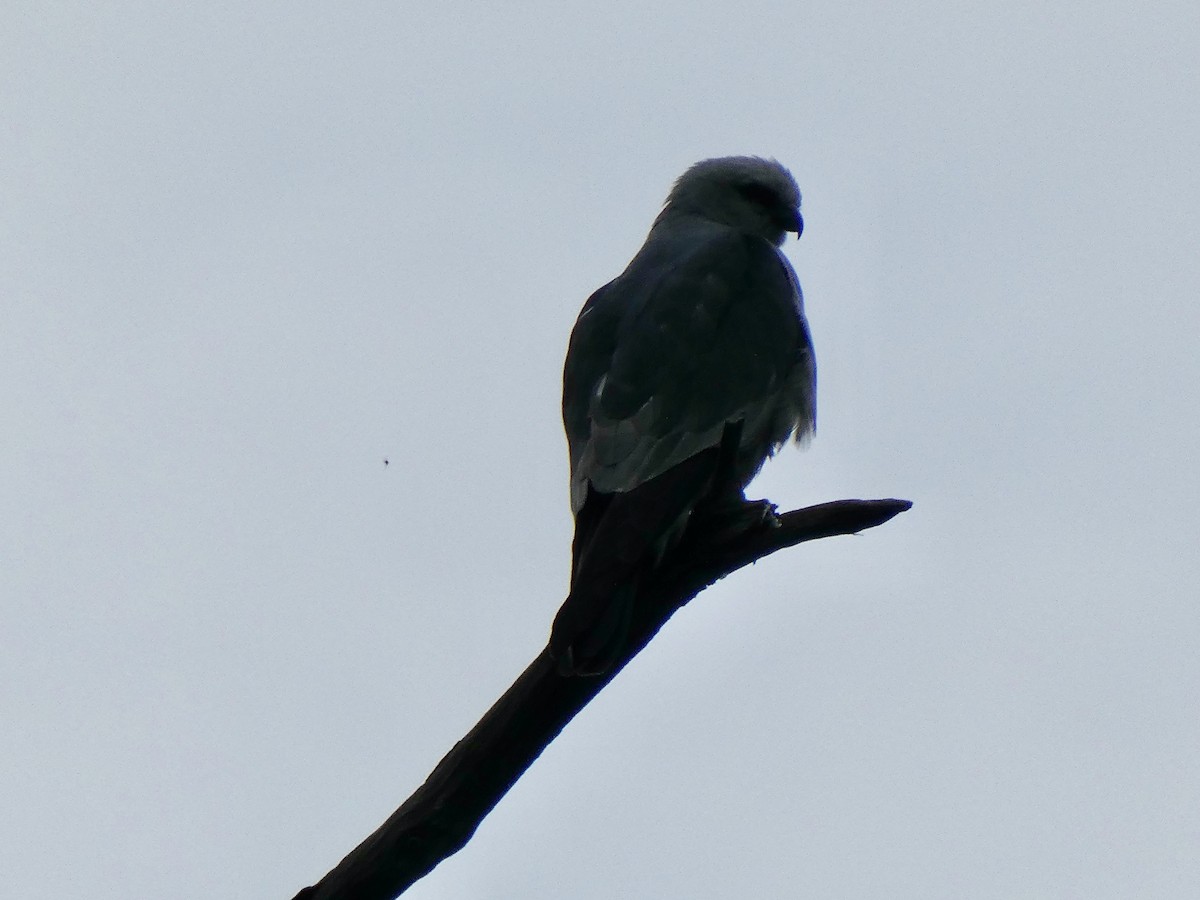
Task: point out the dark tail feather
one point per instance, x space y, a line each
617 538
593 649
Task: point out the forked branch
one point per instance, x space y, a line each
440 817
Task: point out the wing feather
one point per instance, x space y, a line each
693 335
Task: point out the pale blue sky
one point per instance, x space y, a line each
248 252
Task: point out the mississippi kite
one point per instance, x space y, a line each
682 376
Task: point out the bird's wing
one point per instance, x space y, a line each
662 357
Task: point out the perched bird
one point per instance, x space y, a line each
682 376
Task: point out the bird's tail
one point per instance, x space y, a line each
619 538
592 650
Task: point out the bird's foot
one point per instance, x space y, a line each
768 512
727 518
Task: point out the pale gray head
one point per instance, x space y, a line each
755 195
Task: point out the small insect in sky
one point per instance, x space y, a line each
385 462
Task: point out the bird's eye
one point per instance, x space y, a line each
759 193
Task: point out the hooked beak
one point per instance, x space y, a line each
797 223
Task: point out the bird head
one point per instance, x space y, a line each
749 193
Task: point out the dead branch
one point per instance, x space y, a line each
440 817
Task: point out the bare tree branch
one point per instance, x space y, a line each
440 817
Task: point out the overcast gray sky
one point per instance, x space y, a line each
249 251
